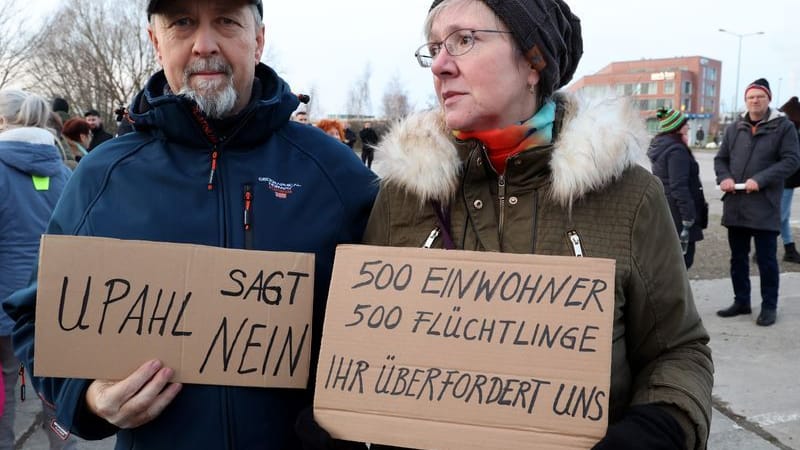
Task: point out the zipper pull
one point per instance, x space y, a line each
212 175
248 207
575 240
431 237
22 382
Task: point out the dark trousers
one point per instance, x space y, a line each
367 156
688 257
767 258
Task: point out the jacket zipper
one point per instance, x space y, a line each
22 382
501 198
431 238
248 217
575 240
213 174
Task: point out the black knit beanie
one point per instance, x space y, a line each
760 84
549 35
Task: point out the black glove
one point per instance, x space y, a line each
644 427
314 437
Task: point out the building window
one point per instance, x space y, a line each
664 103
648 88
711 73
669 87
711 90
687 87
686 106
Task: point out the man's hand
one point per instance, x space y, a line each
136 400
727 185
750 185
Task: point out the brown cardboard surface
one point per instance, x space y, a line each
471 350
216 316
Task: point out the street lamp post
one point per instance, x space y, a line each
738 63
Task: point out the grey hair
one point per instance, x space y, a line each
23 109
259 21
434 13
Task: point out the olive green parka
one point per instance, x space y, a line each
584 195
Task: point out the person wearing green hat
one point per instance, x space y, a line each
674 164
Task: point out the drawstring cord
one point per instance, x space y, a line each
209 132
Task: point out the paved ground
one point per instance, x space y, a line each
756 392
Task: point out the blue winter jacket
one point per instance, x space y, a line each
24 211
182 179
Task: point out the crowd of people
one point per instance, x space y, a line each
508 163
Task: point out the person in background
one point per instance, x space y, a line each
674 164
332 128
55 124
508 164
699 136
32 177
792 110
99 135
78 134
759 150
61 108
350 136
301 117
213 134
368 141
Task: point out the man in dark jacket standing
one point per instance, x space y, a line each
368 141
213 136
99 135
757 153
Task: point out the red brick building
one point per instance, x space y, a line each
690 84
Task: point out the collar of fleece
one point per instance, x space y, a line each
598 138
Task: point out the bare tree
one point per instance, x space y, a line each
359 102
396 104
314 107
14 42
95 54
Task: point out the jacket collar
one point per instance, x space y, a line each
170 117
597 139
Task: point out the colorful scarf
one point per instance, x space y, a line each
504 143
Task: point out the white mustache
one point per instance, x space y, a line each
215 64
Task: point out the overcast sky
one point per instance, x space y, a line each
327 44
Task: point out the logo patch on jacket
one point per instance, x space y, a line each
281 190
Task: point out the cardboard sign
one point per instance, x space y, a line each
470 350
216 316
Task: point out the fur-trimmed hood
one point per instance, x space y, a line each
599 138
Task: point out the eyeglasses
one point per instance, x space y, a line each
456 43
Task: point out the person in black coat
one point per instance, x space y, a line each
792 110
674 164
99 135
368 141
350 136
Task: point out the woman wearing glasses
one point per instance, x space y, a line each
509 165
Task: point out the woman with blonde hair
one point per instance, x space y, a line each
32 176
